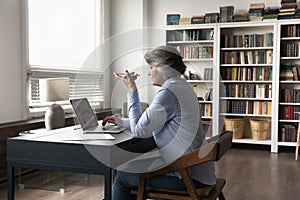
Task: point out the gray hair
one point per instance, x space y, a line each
167 60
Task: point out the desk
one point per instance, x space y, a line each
63 150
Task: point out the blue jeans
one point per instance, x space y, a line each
124 182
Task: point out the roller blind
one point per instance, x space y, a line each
63 38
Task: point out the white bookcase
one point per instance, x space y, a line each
247 86
265 58
197 44
289 82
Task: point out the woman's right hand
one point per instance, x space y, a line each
128 79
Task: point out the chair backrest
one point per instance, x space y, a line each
125 108
212 151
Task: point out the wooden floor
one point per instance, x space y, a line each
250 175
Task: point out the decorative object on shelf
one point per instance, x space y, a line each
236 125
173 19
192 76
52 90
259 129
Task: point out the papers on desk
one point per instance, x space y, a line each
89 137
67 134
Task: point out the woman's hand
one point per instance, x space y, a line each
128 79
112 119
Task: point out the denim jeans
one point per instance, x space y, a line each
124 182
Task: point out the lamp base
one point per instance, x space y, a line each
54 117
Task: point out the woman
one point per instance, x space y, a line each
173 119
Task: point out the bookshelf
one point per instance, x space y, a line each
249 80
289 82
246 67
197 45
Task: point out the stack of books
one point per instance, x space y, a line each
243 17
226 14
211 18
173 19
184 20
287 9
198 19
256 11
271 13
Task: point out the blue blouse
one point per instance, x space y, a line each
174 121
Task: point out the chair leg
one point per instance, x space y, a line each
221 196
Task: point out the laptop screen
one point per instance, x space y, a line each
84 113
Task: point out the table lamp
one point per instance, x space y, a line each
52 90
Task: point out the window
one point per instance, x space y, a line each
63 41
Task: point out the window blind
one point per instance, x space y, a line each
81 84
63 38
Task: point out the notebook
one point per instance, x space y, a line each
88 119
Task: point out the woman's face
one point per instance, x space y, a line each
156 77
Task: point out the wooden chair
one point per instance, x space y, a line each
212 151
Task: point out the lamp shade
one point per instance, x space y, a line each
54 89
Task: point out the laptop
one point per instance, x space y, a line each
88 119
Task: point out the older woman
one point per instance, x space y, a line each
173 119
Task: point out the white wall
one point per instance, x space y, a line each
11 75
127 46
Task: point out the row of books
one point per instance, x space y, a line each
248 90
290 49
208 74
190 35
289 112
287 133
195 52
206 110
290 95
247 57
248 40
289 72
249 107
290 30
256 12
247 73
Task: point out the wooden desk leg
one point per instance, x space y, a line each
10 182
108 183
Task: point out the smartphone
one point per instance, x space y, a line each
119 74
